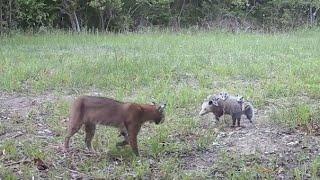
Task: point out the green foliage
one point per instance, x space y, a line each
126 15
32 13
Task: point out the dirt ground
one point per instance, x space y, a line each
278 148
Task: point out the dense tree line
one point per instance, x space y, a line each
130 15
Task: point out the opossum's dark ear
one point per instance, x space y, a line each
153 103
210 102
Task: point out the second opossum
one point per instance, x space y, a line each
230 106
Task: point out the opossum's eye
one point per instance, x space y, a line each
210 102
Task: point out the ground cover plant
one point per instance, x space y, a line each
40 75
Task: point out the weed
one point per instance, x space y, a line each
297 115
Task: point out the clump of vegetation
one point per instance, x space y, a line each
300 115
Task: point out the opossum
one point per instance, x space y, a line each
229 106
224 96
240 99
207 107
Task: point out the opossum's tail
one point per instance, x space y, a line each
249 111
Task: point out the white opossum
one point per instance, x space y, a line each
224 96
230 106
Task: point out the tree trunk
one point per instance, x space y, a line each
102 21
10 15
1 30
311 15
70 9
72 21
110 16
76 21
315 16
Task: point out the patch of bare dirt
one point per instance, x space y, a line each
282 147
22 104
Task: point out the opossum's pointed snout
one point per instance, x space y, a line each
202 112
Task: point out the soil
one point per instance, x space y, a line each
276 148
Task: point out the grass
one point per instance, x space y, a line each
301 114
178 68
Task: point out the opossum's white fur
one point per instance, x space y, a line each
224 95
211 106
233 105
205 107
240 99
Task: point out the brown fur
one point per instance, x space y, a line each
128 117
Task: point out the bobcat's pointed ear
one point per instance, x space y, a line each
161 107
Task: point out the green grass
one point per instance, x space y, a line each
301 114
164 64
178 68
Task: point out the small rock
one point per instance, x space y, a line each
230 133
151 161
46 132
280 170
308 175
215 144
294 143
271 152
221 134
